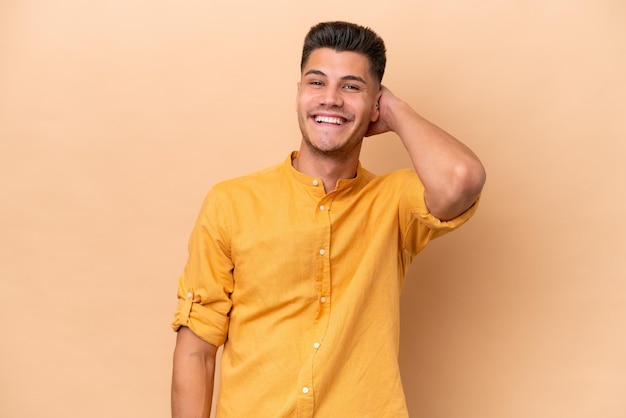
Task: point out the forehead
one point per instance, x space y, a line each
338 63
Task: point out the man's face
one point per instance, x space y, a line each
336 101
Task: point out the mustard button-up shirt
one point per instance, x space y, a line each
303 290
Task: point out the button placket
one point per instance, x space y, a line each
323 214
306 396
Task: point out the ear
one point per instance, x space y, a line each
297 94
376 107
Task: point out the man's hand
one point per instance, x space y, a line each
385 104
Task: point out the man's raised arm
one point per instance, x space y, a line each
453 176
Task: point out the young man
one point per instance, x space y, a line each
297 269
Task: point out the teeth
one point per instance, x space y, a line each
328 119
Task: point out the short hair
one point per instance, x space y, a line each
344 36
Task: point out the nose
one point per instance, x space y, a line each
332 97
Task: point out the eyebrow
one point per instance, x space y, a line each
345 77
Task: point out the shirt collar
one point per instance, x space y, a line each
310 181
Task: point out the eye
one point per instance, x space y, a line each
351 87
316 83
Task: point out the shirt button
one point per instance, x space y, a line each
316 183
189 294
305 390
316 345
323 299
322 252
322 208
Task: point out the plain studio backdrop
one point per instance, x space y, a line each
116 117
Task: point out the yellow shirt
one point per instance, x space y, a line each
303 289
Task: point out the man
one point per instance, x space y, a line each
297 269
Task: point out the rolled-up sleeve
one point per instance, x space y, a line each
418 225
206 283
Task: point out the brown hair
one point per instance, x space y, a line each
344 36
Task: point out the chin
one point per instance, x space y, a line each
342 150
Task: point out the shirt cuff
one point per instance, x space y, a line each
201 319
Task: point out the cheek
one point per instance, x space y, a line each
301 109
304 103
368 113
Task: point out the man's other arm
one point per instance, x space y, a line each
453 176
192 377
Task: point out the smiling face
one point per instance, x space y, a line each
336 102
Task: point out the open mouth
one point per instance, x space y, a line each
330 120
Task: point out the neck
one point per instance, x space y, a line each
328 168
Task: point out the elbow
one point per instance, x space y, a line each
471 178
458 192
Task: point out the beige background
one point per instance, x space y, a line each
117 116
